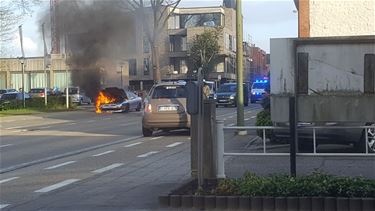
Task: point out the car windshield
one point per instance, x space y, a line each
259 85
2 91
169 92
36 90
227 88
73 91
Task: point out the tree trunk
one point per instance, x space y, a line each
156 64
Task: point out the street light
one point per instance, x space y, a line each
120 72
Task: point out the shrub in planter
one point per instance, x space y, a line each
279 185
264 119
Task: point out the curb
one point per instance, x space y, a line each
211 202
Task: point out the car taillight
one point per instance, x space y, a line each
41 94
148 108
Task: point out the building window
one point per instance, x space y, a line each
197 20
146 45
132 67
178 43
178 65
146 66
174 22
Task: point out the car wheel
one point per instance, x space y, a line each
360 146
138 107
146 132
126 108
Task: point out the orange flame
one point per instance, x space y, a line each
102 99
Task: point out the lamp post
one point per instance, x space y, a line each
121 81
239 69
23 81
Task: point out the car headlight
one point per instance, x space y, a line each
215 96
232 96
254 93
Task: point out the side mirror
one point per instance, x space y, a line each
192 102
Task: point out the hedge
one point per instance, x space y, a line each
54 102
280 185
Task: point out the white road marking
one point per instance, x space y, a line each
56 186
3 206
147 154
12 128
45 127
110 167
128 124
72 123
103 153
253 117
59 165
134 144
7 180
231 117
90 121
230 125
107 118
159 137
174 144
5 145
247 119
189 138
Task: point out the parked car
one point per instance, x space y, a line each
78 96
13 96
356 137
3 91
125 101
226 95
165 108
39 92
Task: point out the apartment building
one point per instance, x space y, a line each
183 25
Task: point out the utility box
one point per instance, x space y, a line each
333 78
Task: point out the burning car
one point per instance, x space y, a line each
117 100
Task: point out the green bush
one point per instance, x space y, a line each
54 103
264 119
316 184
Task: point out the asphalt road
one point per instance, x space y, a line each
84 161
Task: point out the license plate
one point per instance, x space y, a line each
222 100
168 108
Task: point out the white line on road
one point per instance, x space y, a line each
134 144
3 206
5 145
59 165
107 118
231 117
56 186
12 128
159 137
90 121
110 167
7 180
174 144
45 127
247 119
253 117
147 154
72 123
128 124
230 125
103 153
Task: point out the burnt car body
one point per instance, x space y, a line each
125 101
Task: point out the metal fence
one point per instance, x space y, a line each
221 151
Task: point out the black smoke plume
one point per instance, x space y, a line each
95 33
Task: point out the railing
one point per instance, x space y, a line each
221 151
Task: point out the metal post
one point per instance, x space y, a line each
45 88
67 90
293 136
239 68
314 140
264 140
220 149
366 139
23 83
200 127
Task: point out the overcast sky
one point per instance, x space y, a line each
263 19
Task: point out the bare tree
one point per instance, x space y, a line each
154 15
11 13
